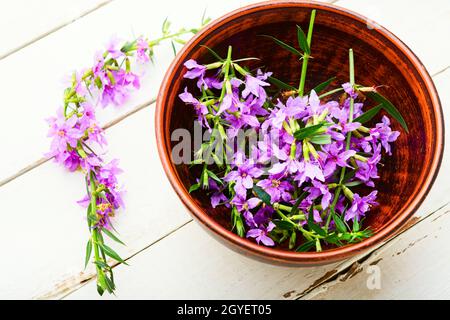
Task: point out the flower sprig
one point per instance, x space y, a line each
78 140
300 185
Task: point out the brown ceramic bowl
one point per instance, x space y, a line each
380 58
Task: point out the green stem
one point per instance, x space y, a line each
347 146
93 214
301 87
326 94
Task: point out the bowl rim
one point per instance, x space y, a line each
278 255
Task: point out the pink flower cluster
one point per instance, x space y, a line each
310 146
78 140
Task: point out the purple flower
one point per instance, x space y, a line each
108 173
296 107
309 171
141 50
200 109
260 234
105 212
253 85
217 198
348 88
243 177
90 163
113 48
263 214
383 133
64 132
196 71
244 207
97 69
368 170
276 188
70 159
80 87
116 91
319 190
333 155
361 205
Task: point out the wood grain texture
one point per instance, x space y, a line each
253 280
42 67
380 59
421 25
413 266
45 256
54 250
34 20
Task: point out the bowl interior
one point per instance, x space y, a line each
378 61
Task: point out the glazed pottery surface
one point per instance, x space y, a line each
380 59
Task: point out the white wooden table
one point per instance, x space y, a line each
43 231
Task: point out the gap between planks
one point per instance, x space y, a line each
119 119
71 285
345 270
106 126
53 30
351 267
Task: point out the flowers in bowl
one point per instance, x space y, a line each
294 169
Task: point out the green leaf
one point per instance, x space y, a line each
322 86
264 196
280 84
314 227
88 253
194 187
353 184
111 253
284 45
237 222
292 240
321 139
102 265
213 53
283 225
214 177
340 225
100 290
369 114
389 108
356 225
110 285
299 200
173 48
302 41
306 132
165 26
306 246
112 236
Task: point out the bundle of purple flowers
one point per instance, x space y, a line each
298 178
78 140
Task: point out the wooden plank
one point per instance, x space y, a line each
293 283
422 26
191 265
47 255
24 22
414 266
50 268
44 70
40 68
46 232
